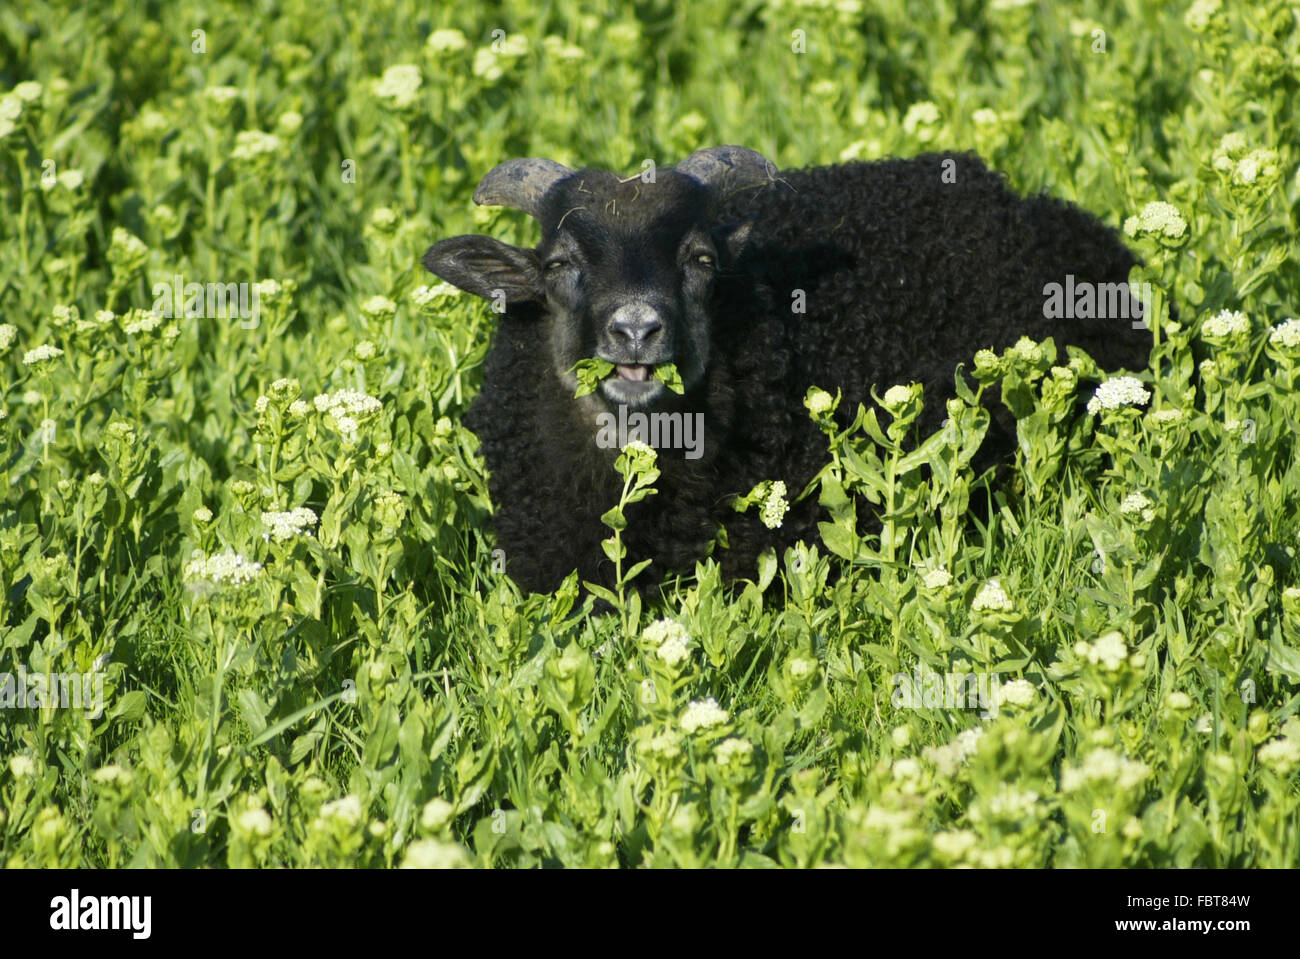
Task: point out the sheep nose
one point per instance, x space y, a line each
636 321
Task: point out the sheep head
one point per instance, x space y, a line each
625 269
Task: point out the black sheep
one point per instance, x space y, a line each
902 268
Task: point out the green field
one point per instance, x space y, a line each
261 543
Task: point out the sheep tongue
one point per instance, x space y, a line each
637 373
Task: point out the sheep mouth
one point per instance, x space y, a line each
631 384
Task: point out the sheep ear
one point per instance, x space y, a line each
487 267
734 237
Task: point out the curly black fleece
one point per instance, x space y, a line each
905 276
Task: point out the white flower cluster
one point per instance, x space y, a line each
286 525
447 41
435 854
222 569
703 714
937 578
1109 650
377 306
348 407
1007 805
1117 392
1286 334
1017 692
1280 754
142 321
947 759
1104 766
1226 323
253 144
671 638
819 402
774 506
41 354
1158 219
1136 502
399 85
347 810
254 822
992 597
733 750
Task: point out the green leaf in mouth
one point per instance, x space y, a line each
590 373
666 373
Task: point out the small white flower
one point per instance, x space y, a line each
221 94
937 578
286 525
7 333
203 515
254 822
733 749
435 854
437 812
41 354
1135 502
819 402
223 569
672 638
143 321
703 714
1158 219
896 397
430 296
252 144
299 408
348 402
377 306
920 120
1109 650
1179 702
399 85
1280 754
346 810
1168 417
1286 334
1017 692
906 768
1117 392
1104 766
22 766
992 596
774 506
447 41
1226 323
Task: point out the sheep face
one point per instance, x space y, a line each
624 273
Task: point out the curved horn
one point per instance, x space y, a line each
729 168
519 184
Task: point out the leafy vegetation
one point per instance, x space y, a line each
262 535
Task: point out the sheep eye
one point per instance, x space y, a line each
554 265
704 259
